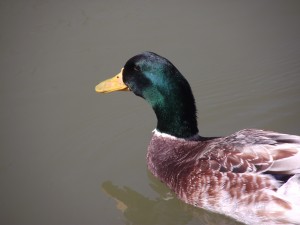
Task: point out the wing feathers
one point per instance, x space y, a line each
253 150
286 160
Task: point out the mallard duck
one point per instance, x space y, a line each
251 175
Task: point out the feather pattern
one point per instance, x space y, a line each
230 175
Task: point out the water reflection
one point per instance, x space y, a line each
164 209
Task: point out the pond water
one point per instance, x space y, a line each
71 156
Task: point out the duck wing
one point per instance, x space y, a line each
252 150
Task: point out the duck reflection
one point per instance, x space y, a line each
165 209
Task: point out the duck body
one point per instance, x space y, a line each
251 175
231 175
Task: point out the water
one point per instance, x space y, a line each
71 156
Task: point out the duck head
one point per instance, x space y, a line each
159 82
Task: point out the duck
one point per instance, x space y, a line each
251 175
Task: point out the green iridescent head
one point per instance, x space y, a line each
159 82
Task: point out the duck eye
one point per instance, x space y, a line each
136 68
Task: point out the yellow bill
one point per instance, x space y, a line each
113 84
